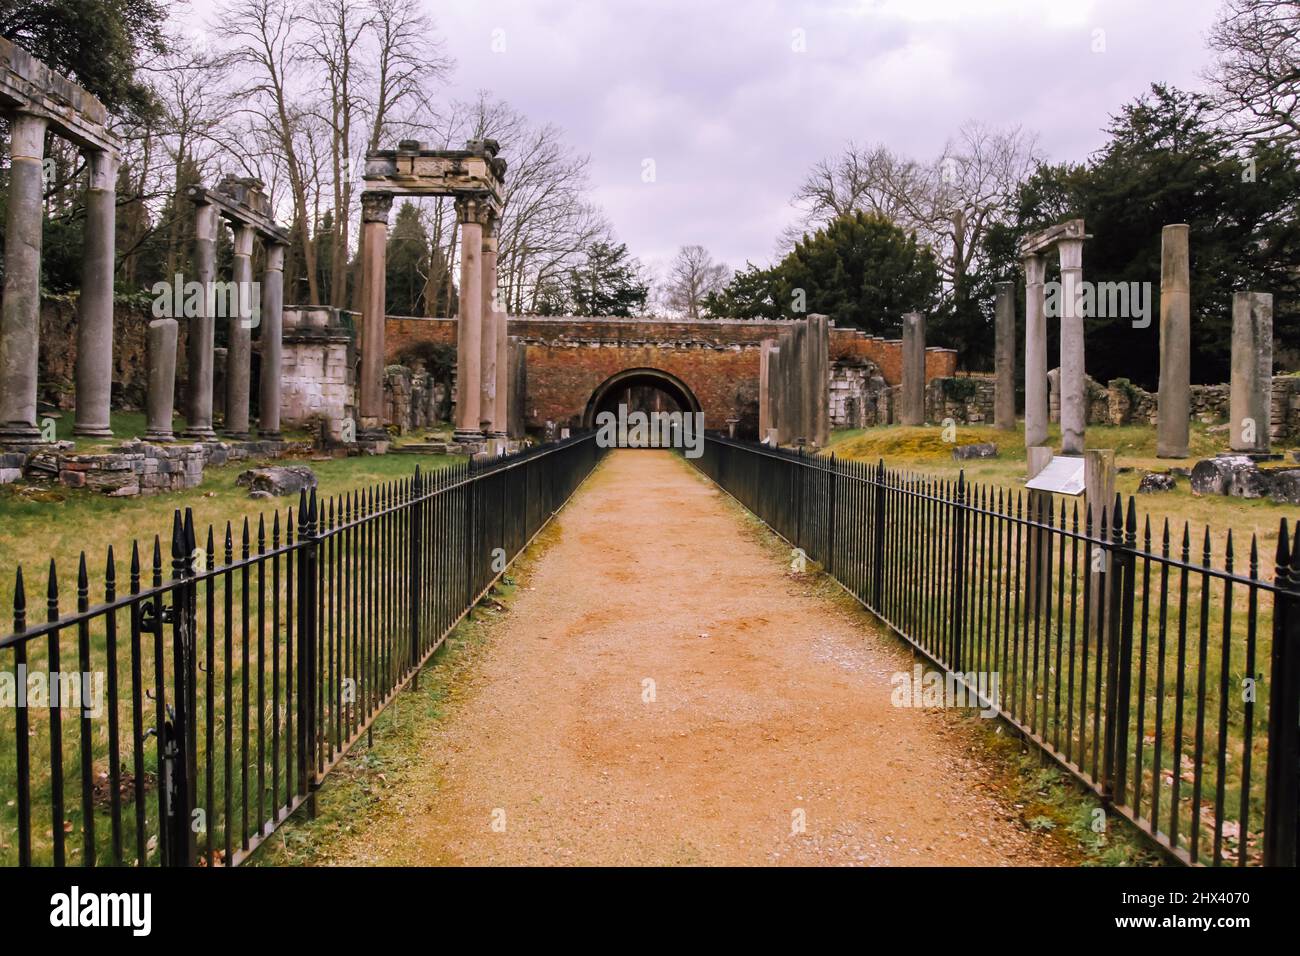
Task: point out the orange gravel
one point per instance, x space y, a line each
766 737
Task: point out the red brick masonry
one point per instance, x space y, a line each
569 358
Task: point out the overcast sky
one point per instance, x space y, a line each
733 116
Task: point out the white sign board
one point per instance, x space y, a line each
1063 476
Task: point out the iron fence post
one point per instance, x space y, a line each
1110 600
831 495
177 793
878 530
308 557
958 571
1282 787
417 576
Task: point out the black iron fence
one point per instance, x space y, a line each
1167 685
185 716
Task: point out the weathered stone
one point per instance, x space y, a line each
1175 344
1252 371
1284 486
1004 356
982 450
279 480
95 306
1036 396
912 410
469 338
1221 475
10 475
1154 481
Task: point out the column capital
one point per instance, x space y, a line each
102 165
275 256
1071 252
1035 269
474 209
376 205
243 238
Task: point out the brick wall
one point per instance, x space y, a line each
570 357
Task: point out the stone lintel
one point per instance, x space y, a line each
240 213
28 85
1039 242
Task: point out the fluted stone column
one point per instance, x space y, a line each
487 365
1035 352
912 411
162 379
202 331
375 207
469 330
270 337
239 335
1004 357
1175 397
1074 413
20 319
1250 395
94 370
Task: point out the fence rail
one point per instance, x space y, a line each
1167 685
253 658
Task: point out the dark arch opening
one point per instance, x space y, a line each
641 389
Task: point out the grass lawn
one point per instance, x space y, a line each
923 450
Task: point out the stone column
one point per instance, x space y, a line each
1035 352
517 391
20 318
1074 410
487 365
1004 357
797 395
775 399
764 387
1175 397
1054 396
239 335
271 340
786 405
819 385
912 410
1250 399
469 329
502 417
162 379
375 207
202 331
95 309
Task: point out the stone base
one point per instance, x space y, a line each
1252 455
165 438
92 431
20 436
199 434
467 436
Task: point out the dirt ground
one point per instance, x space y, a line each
664 690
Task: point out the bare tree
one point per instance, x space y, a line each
691 277
1257 74
263 51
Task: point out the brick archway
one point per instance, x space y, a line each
666 382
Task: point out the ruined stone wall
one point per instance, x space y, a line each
967 400
318 370
57 359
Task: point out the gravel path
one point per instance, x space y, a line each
766 737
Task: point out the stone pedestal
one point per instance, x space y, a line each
1035 352
271 342
162 379
201 338
1074 411
375 207
1175 405
95 307
469 330
1250 396
21 312
912 406
1004 358
239 337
